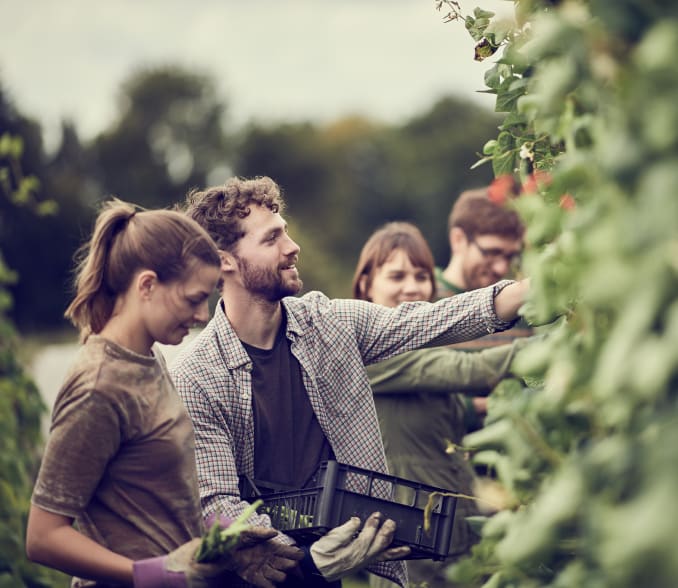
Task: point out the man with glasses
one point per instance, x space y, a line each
486 242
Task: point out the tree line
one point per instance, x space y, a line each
172 133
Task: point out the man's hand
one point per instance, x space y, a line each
261 561
341 552
508 302
256 559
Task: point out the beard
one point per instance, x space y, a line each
267 283
479 277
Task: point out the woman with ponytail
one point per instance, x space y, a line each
120 459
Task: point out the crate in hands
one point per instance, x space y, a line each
339 491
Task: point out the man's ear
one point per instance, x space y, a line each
458 239
146 280
228 261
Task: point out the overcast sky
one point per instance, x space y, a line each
273 60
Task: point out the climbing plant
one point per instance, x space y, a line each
21 406
585 463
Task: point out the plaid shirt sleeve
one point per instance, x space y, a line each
383 332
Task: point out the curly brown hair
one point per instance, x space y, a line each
220 209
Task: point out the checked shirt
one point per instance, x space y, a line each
333 339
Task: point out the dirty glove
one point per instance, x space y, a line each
340 552
177 569
262 561
256 559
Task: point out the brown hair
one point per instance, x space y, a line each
475 214
380 245
123 242
220 209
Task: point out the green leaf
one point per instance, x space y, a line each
484 49
492 77
504 164
490 147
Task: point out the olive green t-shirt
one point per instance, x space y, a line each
120 458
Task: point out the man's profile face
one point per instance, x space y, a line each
267 256
488 258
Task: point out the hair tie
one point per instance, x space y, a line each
132 215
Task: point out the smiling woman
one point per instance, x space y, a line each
142 277
423 398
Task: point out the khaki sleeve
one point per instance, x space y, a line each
444 370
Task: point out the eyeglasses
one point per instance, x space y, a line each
493 254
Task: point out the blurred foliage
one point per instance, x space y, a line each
171 133
585 457
41 250
21 406
168 135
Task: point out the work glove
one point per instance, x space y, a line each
341 552
177 569
256 559
260 560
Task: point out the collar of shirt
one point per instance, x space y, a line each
233 351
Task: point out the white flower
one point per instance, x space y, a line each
526 151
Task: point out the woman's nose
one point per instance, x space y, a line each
412 286
202 314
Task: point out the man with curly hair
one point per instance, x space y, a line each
276 383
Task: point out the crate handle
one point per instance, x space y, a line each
256 493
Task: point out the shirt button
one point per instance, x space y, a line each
248 367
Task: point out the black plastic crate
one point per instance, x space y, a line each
340 491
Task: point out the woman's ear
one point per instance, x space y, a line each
145 283
363 284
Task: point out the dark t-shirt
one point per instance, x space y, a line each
288 441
